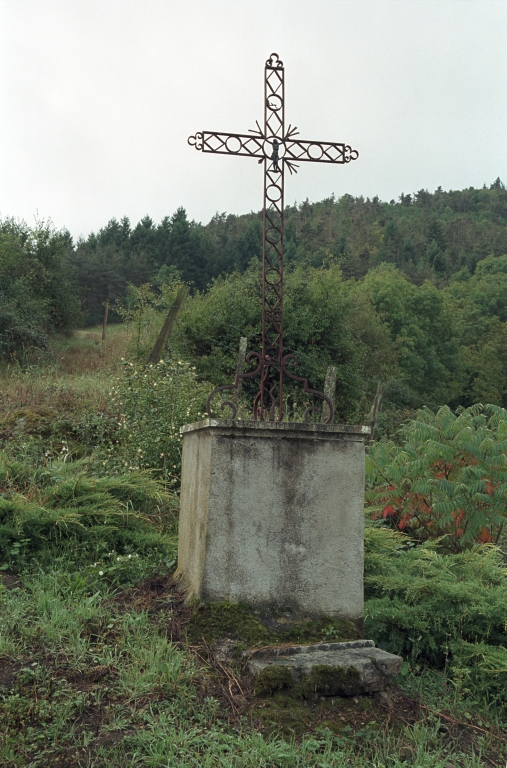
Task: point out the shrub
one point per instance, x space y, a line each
326 321
62 511
36 294
153 403
439 609
447 480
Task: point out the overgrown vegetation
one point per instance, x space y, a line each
36 295
61 509
153 402
101 662
440 610
102 665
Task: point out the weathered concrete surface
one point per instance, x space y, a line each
271 515
327 669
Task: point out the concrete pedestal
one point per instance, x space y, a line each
272 515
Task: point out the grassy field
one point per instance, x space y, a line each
101 662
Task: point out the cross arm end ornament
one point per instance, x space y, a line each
195 141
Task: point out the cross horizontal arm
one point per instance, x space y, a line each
319 152
248 144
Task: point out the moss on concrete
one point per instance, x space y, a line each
325 680
213 620
252 627
271 680
325 629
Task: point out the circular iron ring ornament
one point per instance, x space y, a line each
272 277
315 151
274 102
273 235
274 193
233 144
267 147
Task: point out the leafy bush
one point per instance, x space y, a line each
326 321
36 294
481 669
439 609
448 479
424 330
60 510
153 403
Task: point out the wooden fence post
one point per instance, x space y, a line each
375 410
329 391
240 367
165 331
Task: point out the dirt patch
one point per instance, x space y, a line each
88 679
10 580
110 738
9 671
160 597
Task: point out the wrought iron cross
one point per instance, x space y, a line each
277 148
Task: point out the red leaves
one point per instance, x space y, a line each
404 521
485 536
490 488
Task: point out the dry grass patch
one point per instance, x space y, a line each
86 352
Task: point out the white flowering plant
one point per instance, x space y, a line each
152 403
113 568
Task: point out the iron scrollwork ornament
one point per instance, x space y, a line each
196 141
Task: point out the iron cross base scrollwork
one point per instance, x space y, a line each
277 148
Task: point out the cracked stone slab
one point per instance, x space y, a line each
327 669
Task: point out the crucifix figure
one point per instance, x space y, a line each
278 149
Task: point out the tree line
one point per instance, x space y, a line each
428 236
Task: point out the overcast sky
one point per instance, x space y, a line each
98 98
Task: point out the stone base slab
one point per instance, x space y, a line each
327 669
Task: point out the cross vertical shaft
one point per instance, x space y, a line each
271 390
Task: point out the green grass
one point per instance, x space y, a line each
98 681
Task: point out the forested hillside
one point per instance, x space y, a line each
427 236
410 293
